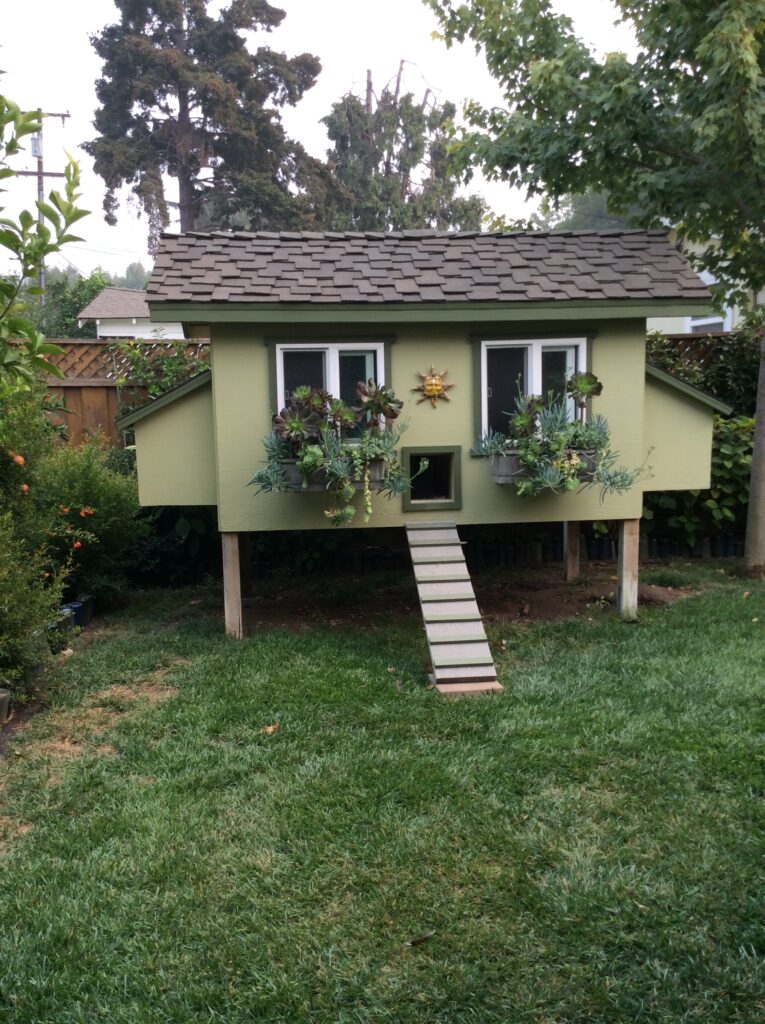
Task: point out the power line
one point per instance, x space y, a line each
41 174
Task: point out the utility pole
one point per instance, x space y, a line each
41 174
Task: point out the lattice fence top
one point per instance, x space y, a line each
93 359
700 348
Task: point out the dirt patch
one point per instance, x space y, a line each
11 829
58 748
71 732
546 597
19 718
522 593
99 629
105 750
22 715
10 826
113 694
152 689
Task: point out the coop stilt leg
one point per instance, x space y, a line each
571 535
245 566
629 549
232 585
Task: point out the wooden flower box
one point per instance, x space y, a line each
508 469
318 481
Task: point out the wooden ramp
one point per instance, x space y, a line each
459 650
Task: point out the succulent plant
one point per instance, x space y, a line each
317 432
524 421
375 402
340 416
296 425
581 386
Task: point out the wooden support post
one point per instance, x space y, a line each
245 565
571 535
629 550
232 585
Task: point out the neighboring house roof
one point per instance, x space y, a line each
116 304
687 389
420 266
203 379
179 391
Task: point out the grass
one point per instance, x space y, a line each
587 847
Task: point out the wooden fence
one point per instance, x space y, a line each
96 386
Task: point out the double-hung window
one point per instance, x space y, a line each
336 367
529 367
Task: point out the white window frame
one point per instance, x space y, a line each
711 321
713 318
331 350
534 348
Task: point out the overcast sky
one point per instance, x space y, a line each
49 62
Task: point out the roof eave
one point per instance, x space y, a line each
179 391
421 312
687 389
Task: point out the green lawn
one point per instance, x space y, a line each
588 847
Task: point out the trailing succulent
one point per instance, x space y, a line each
558 454
337 446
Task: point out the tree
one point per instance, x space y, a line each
181 95
65 296
390 165
28 241
588 212
679 131
136 276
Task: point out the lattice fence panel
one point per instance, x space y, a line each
99 360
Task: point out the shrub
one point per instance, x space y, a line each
182 546
26 440
99 516
725 367
30 582
30 598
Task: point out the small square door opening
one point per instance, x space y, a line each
435 473
433 476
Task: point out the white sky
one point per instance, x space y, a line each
49 62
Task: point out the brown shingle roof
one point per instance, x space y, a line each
420 266
116 304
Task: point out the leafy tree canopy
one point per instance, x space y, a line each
181 95
389 162
679 131
65 295
587 212
136 276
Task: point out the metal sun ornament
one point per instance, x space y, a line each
433 387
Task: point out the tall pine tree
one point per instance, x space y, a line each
182 96
389 164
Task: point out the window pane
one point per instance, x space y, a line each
706 326
556 367
302 368
355 367
505 372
